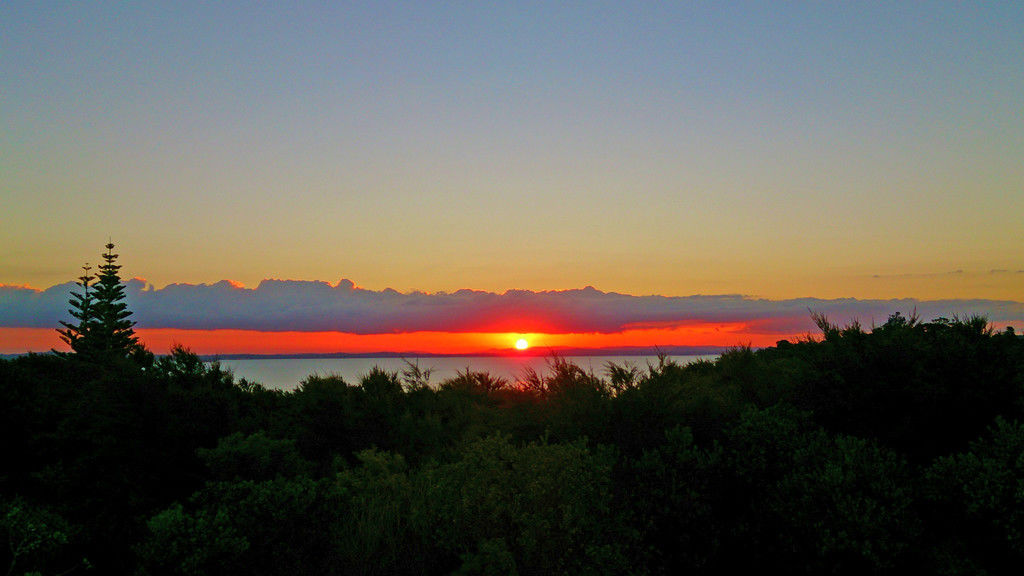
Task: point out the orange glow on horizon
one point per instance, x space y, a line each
213 342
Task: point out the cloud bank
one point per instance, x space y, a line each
313 306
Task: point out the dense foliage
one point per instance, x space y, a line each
890 451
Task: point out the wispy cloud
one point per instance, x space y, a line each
958 273
308 306
921 275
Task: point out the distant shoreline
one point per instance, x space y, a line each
534 352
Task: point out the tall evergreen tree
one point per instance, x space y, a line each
82 309
113 334
104 331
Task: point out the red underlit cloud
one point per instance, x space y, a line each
706 336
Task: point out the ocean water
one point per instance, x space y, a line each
287 373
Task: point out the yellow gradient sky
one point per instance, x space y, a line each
773 149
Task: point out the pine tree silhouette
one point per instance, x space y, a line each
82 309
104 331
113 334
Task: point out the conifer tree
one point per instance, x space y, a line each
113 334
104 331
82 309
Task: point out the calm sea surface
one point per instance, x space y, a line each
287 373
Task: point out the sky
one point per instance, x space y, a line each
775 152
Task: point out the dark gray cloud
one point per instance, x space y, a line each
290 305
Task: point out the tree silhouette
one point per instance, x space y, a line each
83 310
113 334
104 331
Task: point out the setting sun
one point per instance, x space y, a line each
522 344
